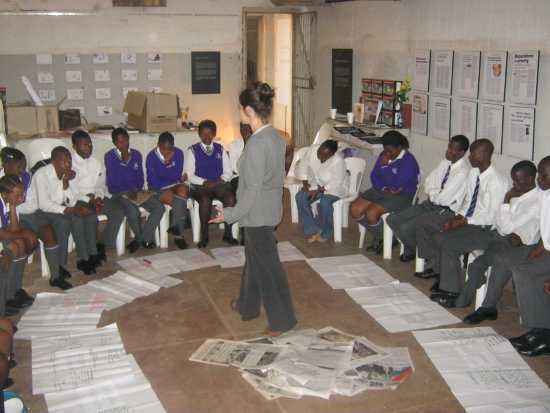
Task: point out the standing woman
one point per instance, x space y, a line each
258 211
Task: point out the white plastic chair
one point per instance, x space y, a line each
41 149
387 231
340 213
293 182
324 133
196 221
481 291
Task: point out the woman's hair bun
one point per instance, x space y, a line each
266 92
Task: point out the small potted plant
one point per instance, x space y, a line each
402 105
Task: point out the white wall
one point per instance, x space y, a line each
385 34
187 25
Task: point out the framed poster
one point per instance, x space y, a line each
524 73
419 112
489 125
421 76
205 73
519 132
442 71
493 76
440 115
464 118
342 80
466 74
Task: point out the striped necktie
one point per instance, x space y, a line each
473 202
209 150
446 177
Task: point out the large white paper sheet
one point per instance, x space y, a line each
231 257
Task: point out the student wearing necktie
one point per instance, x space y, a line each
14 163
445 187
468 230
529 267
165 177
125 180
18 243
208 168
516 225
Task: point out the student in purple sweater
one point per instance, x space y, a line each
165 176
394 181
209 170
124 170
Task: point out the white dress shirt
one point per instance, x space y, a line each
90 177
453 193
492 188
545 219
31 202
51 195
190 167
521 216
310 161
331 175
235 150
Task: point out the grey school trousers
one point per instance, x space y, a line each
534 303
117 207
264 281
405 223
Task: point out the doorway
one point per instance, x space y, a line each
277 48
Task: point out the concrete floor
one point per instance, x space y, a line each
164 329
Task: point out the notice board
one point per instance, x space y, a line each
342 79
205 73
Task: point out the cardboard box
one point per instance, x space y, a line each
152 112
28 120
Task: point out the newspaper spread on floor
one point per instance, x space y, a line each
231 257
310 362
484 371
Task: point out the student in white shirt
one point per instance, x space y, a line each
445 187
326 183
209 172
529 267
30 217
516 225
18 243
57 198
468 230
89 184
235 150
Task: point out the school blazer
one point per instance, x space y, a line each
261 179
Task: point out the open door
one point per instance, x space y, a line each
303 83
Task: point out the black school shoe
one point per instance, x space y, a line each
203 243
63 273
86 267
133 246
101 254
60 283
180 243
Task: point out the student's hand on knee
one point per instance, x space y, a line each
182 191
167 197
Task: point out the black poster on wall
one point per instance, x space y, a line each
342 79
205 73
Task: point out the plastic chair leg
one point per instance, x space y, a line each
388 238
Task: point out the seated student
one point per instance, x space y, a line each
235 150
14 163
124 171
57 198
326 182
468 230
89 184
445 187
394 181
166 178
516 225
209 170
19 242
529 268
